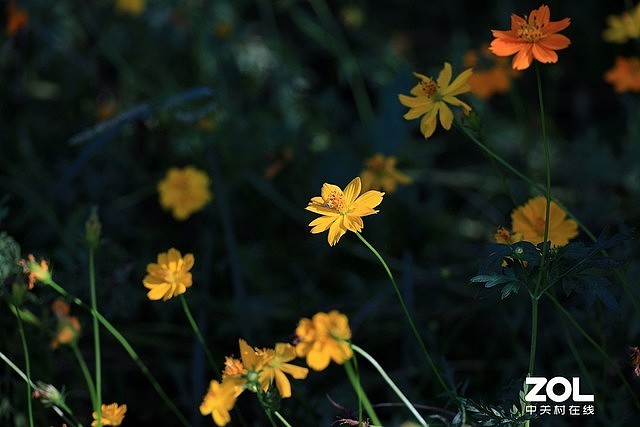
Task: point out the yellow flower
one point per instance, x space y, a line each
323 338
342 211
276 368
529 221
381 174
219 400
36 271
112 415
68 326
170 276
430 99
131 7
624 27
184 191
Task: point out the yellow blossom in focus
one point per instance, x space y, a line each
219 400
381 174
184 191
112 415
35 271
276 368
342 211
529 221
430 99
625 75
624 27
170 276
68 326
323 338
131 7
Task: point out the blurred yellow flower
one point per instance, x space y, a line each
219 400
323 338
170 276
131 7
381 174
276 368
34 270
625 75
506 237
342 211
430 99
112 415
184 191
624 27
68 326
529 221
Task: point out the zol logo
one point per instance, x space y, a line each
567 389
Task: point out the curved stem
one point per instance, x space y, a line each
85 373
96 339
196 330
27 365
281 418
414 329
362 396
391 384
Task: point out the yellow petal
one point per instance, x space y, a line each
336 231
352 190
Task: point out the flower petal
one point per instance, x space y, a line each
352 190
444 77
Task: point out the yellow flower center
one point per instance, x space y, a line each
531 32
538 226
170 276
335 201
429 87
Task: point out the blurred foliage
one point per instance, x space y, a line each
273 98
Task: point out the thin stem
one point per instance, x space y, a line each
196 330
391 384
85 372
96 339
362 396
534 335
408 317
27 365
281 418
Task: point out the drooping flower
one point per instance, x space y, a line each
112 415
130 7
184 191
491 74
625 75
276 368
430 99
323 338
381 174
17 19
342 211
170 276
531 38
624 27
219 400
68 326
34 270
529 221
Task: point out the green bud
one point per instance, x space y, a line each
93 228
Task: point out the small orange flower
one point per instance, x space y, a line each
528 221
491 74
68 326
35 271
381 174
323 338
170 276
625 75
17 19
112 415
532 38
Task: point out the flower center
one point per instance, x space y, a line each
531 32
170 276
335 201
429 87
538 225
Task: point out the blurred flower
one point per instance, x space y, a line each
17 19
531 38
48 394
623 27
34 270
112 415
219 400
381 174
625 75
170 276
184 191
352 16
105 110
68 326
491 74
506 237
430 98
342 211
529 220
635 360
276 368
131 7
323 338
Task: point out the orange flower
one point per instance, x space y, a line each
35 271
625 75
68 326
491 74
528 221
17 19
531 38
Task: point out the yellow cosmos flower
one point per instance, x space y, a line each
170 276
277 367
112 415
342 210
219 400
131 7
68 326
624 27
323 338
184 191
381 174
430 99
529 221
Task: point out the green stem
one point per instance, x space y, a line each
27 365
96 339
391 384
125 344
362 396
408 317
196 330
85 372
281 418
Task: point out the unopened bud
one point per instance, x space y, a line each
93 229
